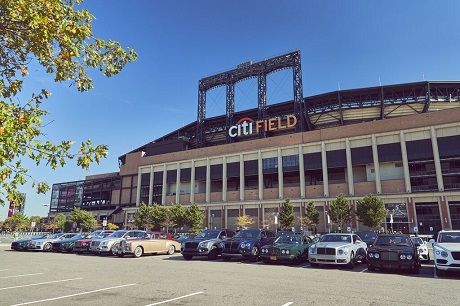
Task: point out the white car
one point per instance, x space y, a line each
446 252
105 245
338 249
422 248
46 244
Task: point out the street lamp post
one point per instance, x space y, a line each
212 221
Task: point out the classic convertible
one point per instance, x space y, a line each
152 245
290 248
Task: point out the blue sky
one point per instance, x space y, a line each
351 43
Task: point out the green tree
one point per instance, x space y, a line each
177 215
244 221
112 227
58 36
158 215
311 216
17 222
84 219
340 211
371 211
142 217
286 215
194 218
59 221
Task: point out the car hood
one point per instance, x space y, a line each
202 240
45 240
85 240
390 248
24 240
331 244
108 239
283 245
455 247
239 239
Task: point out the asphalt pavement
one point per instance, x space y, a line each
29 278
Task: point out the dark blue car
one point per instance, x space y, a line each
246 244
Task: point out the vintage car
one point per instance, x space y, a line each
290 248
446 252
423 252
393 251
207 243
104 245
46 244
82 245
246 243
66 245
338 249
21 245
153 244
367 236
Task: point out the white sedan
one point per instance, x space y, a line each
422 248
338 249
446 252
45 244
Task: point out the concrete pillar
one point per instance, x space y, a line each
163 189
402 140
178 183
351 186
138 190
224 179
325 172
241 177
192 183
151 186
301 173
437 162
260 175
208 181
375 155
280 175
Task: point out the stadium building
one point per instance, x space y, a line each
400 142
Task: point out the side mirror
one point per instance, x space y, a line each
431 241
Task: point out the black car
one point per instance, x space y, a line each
67 245
207 243
393 252
367 236
247 243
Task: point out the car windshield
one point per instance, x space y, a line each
336 238
118 234
55 236
367 235
208 234
289 239
393 240
247 234
450 237
417 240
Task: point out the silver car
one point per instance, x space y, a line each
105 245
45 244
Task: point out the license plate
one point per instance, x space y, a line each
273 258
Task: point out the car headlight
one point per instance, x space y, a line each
377 255
409 257
343 251
243 245
402 256
444 254
205 244
371 255
283 252
287 252
312 249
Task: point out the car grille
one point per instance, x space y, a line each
456 255
391 256
325 251
231 246
191 245
14 244
95 243
274 251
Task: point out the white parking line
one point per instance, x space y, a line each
288 303
21 275
71 295
304 266
3 270
364 270
43 283
175 299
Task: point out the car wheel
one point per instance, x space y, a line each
187 257
351 264
171 250
47 247
138 252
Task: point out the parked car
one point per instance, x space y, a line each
207 243
21 245
184 237
66 245
446 252
82 245
247 243
154 243
338 249
104 245
367 236
291 248
423 252
395 251
45 244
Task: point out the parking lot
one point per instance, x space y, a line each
56 279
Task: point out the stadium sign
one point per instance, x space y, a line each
247 126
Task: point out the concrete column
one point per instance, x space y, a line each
224 179
178 183
351 186
260 175
138 190
163 189
192 183
280 175
402 140
241 177
375 155
208 181
151 186
325 173
437 162
301 173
